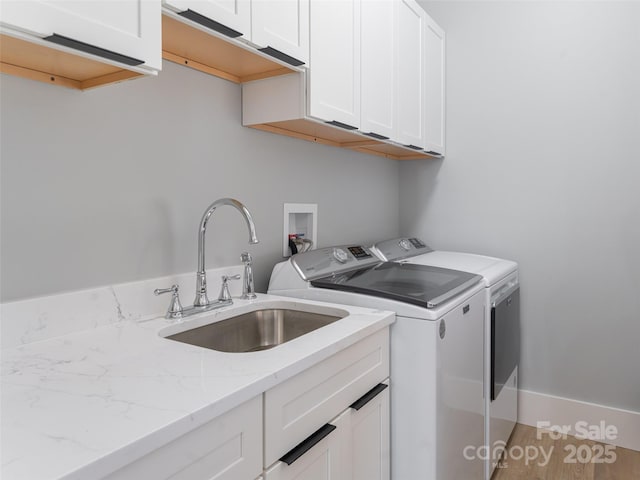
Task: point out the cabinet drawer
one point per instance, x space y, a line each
227 448
312 398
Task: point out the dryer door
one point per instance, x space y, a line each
505 339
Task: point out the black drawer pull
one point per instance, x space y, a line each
346 126
306 445
377 135
281 56
431 152
414 147
211 24
367 397
92 49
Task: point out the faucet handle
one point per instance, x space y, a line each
224 289
248 291
175 307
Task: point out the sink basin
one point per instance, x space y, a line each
256 330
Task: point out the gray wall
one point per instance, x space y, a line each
109 185
543 167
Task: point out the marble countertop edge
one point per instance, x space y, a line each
264 370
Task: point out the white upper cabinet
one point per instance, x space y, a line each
378 64
376 70
127 32
434 88
229 17
334 64
410 92
282 28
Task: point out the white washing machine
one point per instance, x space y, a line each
502 330
436 380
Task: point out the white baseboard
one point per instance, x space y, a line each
536 407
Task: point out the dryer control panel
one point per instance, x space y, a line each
399 248
332 260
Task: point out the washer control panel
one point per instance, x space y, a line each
332 260
398 248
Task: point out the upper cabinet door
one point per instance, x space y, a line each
410 98
435 88
334 63
128 28
282 27
233 14
378 24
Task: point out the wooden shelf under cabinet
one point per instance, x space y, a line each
40 62
187 44
318 132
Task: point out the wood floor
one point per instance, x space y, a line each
564 459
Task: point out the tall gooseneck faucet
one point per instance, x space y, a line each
201 299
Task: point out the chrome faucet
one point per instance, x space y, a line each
201 302
201 299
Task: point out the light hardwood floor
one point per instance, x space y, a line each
624 464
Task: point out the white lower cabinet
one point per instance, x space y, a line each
321 462
369 439
301 405
354 446
329 422
227 448
332 420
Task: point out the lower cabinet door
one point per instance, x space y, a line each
227 448
358 448
324 461
369 439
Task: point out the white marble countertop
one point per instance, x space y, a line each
83 405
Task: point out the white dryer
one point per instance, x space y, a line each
501 331
436 380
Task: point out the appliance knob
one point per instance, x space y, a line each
404 244
340 255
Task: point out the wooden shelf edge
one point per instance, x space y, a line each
23 72
201 67
359 143
292 134
409 156
367 146
115 77
266 74
209 70
109 79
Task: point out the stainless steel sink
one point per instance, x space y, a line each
255 331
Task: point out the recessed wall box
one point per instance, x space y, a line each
300 219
